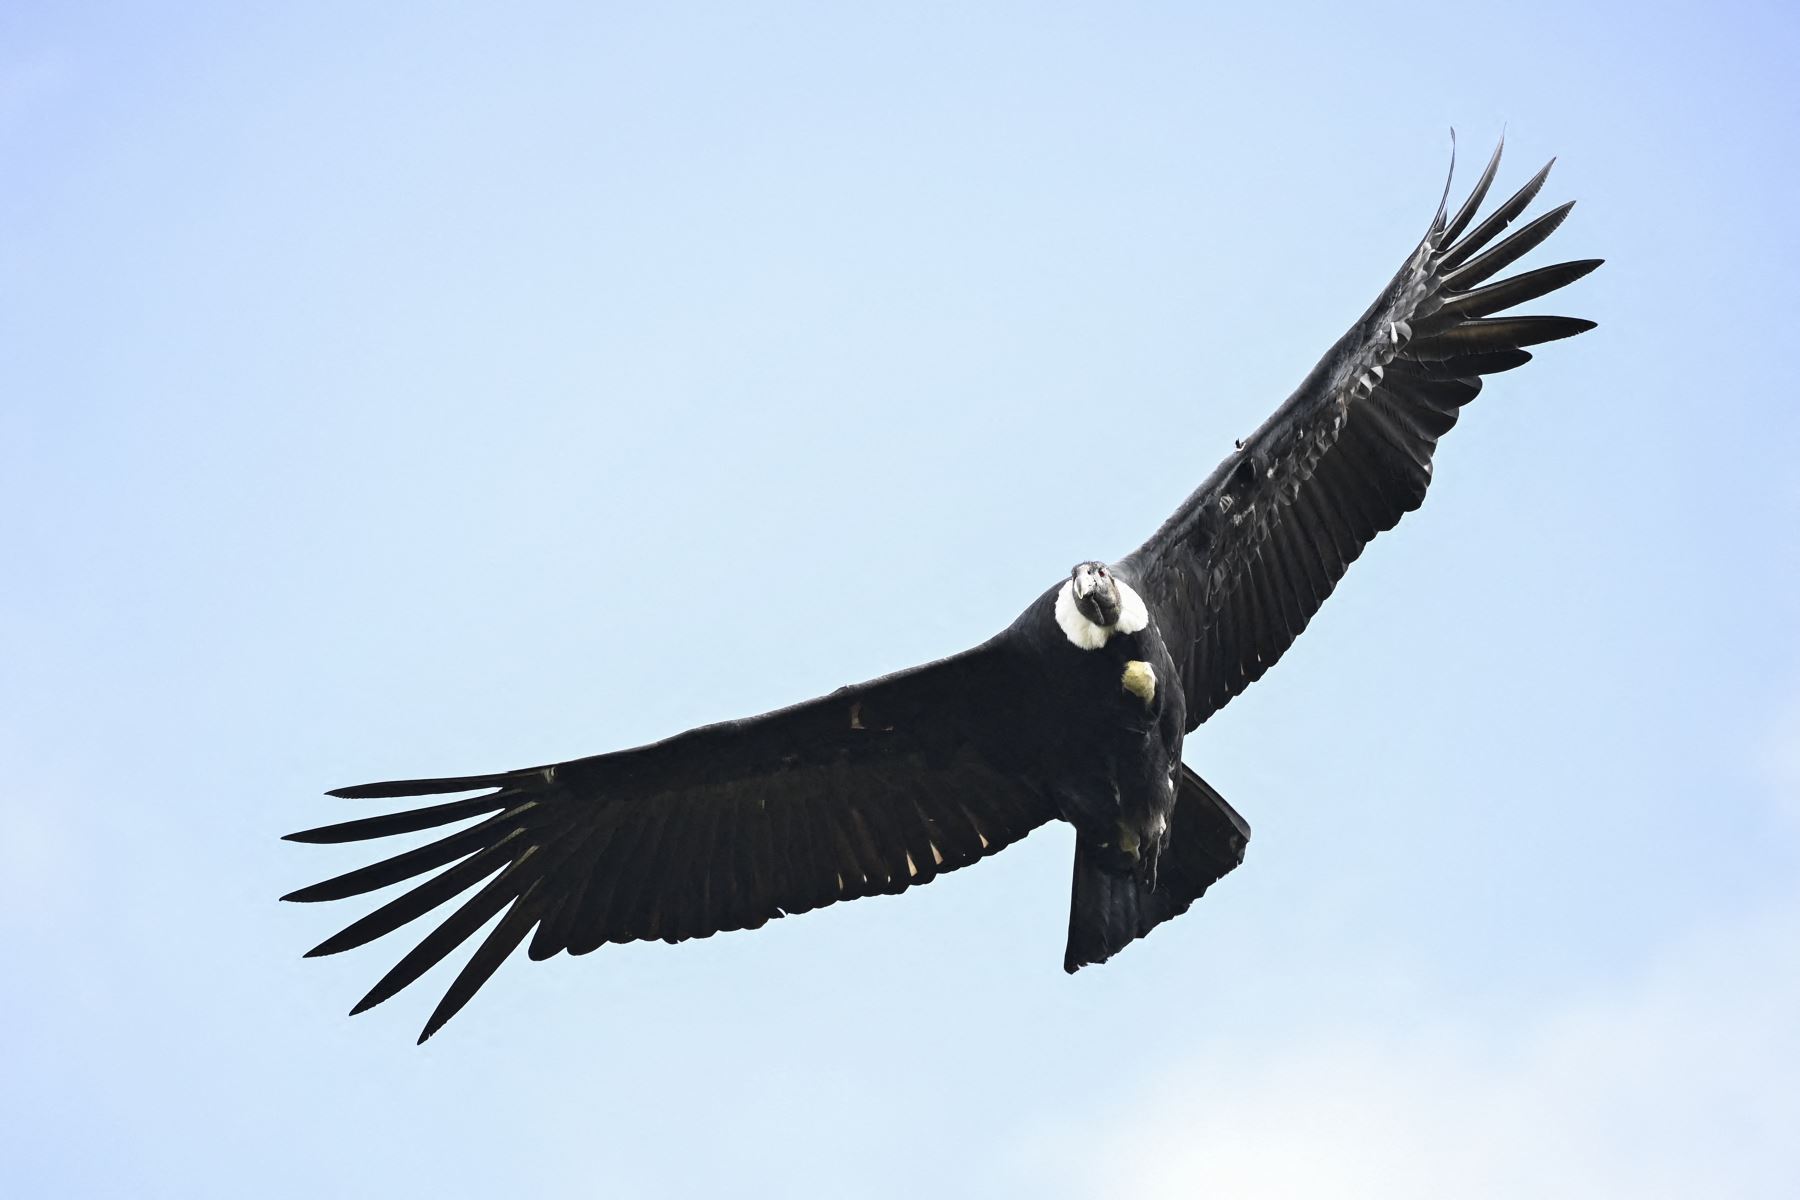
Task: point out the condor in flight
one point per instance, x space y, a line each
1075 711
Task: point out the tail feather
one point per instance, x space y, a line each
1110 908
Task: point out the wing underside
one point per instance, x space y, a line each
1241 567
870 790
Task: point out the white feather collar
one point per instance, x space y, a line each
1133 616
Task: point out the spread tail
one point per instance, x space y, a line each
1110 908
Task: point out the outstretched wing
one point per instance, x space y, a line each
869 790
1237 572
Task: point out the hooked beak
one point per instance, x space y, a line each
1096 596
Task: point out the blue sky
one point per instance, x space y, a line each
437 389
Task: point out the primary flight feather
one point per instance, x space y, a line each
1076 711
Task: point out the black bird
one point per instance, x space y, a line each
1075 711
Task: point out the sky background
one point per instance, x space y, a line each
453 388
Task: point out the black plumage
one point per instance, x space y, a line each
1076 711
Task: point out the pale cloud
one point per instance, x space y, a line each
1679 1083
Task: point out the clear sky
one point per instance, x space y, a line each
410 389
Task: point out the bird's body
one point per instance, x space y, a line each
1075 711
1118 738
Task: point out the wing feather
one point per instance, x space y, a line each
414 862
494 950
1506 252
417 901
1477 195
431 950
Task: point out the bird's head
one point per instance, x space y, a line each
1096 593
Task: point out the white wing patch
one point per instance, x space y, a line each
1133 616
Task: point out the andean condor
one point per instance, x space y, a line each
1075 711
